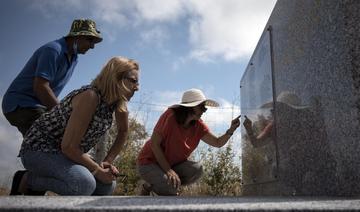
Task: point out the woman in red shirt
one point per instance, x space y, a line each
163 161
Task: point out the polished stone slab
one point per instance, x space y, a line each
124 203
301 90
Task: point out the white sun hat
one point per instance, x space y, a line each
288 98
194 97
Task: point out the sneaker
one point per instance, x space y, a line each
16 183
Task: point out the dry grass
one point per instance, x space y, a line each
4 192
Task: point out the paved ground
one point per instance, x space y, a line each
118 203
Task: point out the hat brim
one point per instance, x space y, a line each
271 105
97 37
208 102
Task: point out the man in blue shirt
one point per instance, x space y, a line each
40 82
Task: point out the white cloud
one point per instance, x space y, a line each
227 29
160 10
155 34
113 12
178 63
155 37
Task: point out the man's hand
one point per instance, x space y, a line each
44 93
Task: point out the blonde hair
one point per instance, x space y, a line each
109 81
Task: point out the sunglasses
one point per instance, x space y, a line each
132 80
90 40
203 108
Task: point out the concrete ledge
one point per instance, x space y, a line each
125 203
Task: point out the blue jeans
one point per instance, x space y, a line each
57 173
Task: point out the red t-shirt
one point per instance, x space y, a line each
177 142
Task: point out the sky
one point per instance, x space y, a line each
179 44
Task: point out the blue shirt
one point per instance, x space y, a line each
50 62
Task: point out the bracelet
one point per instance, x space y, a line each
229 133
95 171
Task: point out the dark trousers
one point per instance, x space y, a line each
188 171
23 117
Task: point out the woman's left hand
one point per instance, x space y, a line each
113 168
173 178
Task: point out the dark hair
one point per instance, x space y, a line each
181 113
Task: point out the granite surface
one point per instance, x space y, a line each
315 54
112 203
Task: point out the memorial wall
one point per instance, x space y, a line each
301 93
